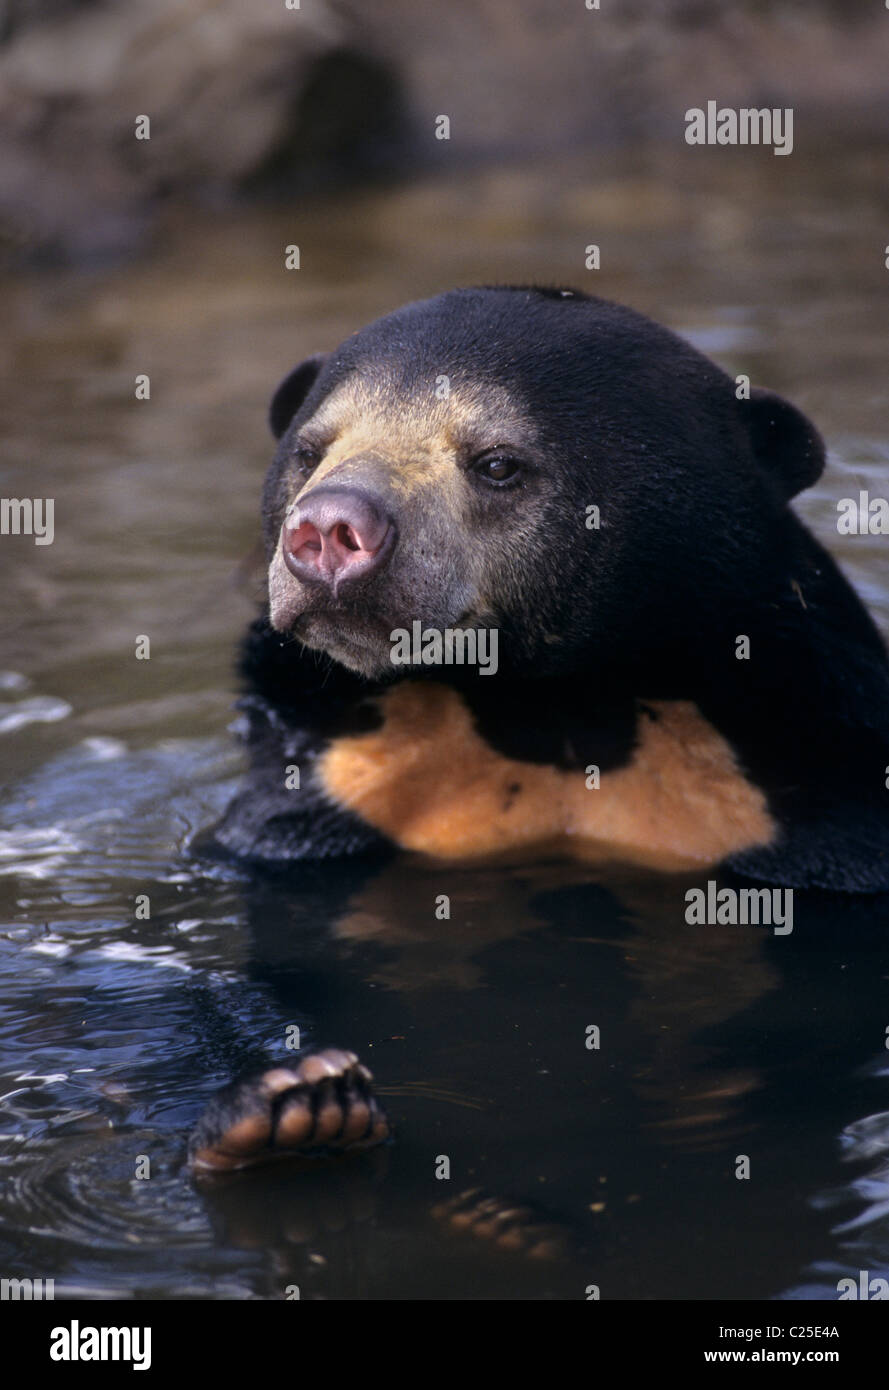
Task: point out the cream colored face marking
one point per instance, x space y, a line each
431 783
417 440
411 452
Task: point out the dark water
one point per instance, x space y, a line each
715 1042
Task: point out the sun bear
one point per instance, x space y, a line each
536 589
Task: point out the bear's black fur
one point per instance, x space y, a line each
590 404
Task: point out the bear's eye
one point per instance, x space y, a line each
306 457
497 468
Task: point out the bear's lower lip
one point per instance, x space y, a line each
321 624
334 636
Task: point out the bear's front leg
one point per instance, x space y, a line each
325 1104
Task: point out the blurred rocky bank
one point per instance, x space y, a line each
255 98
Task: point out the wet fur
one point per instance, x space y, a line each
697 546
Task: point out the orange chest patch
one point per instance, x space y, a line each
430 782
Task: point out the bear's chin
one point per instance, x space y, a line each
361 652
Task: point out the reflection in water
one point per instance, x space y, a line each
691 1089
715 1042
117 1030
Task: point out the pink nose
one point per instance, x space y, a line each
334 535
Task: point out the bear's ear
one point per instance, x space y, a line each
292 392
786 445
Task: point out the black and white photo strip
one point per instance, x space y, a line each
444 693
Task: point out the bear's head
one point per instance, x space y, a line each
537 461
